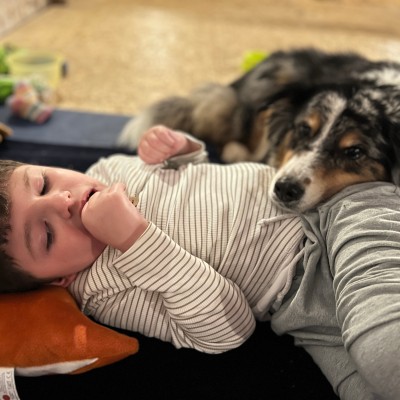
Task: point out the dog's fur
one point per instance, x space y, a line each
325 121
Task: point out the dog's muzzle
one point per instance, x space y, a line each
288 191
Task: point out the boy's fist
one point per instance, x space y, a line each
112 219
160 143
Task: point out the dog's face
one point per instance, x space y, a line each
332 139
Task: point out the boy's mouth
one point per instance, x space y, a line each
91 193
86 198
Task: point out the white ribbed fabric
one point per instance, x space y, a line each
216 254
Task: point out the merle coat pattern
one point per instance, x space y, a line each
324 120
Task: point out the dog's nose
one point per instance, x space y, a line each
288 190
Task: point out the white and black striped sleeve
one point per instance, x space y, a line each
203 309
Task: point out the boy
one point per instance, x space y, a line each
205 252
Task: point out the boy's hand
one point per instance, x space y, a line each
112 219
160 143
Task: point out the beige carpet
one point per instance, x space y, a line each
124 54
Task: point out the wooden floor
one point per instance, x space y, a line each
124 54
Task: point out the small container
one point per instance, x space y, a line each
36 64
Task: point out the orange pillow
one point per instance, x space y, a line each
44 332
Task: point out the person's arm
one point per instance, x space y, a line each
193 305
158 145
364 250
159 148
167 292
176 297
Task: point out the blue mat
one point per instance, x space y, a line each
70 139
72 128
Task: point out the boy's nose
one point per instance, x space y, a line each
61 202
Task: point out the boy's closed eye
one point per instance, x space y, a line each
45 185
49 231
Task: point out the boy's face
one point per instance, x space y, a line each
47 237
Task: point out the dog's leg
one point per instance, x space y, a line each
174 112
208 113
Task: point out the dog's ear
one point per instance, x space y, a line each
279 113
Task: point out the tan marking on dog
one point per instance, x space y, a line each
314 121
258 142
349 139
258 131
283 153
333 181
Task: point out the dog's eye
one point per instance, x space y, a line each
303 129
354 152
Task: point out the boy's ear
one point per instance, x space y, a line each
64 281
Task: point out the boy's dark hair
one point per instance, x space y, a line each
12 277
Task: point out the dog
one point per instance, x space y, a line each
323 120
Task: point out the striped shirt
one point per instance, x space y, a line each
217 254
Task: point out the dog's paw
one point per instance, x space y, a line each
235 152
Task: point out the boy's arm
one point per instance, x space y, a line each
194 305
158 145
364 251
167 293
